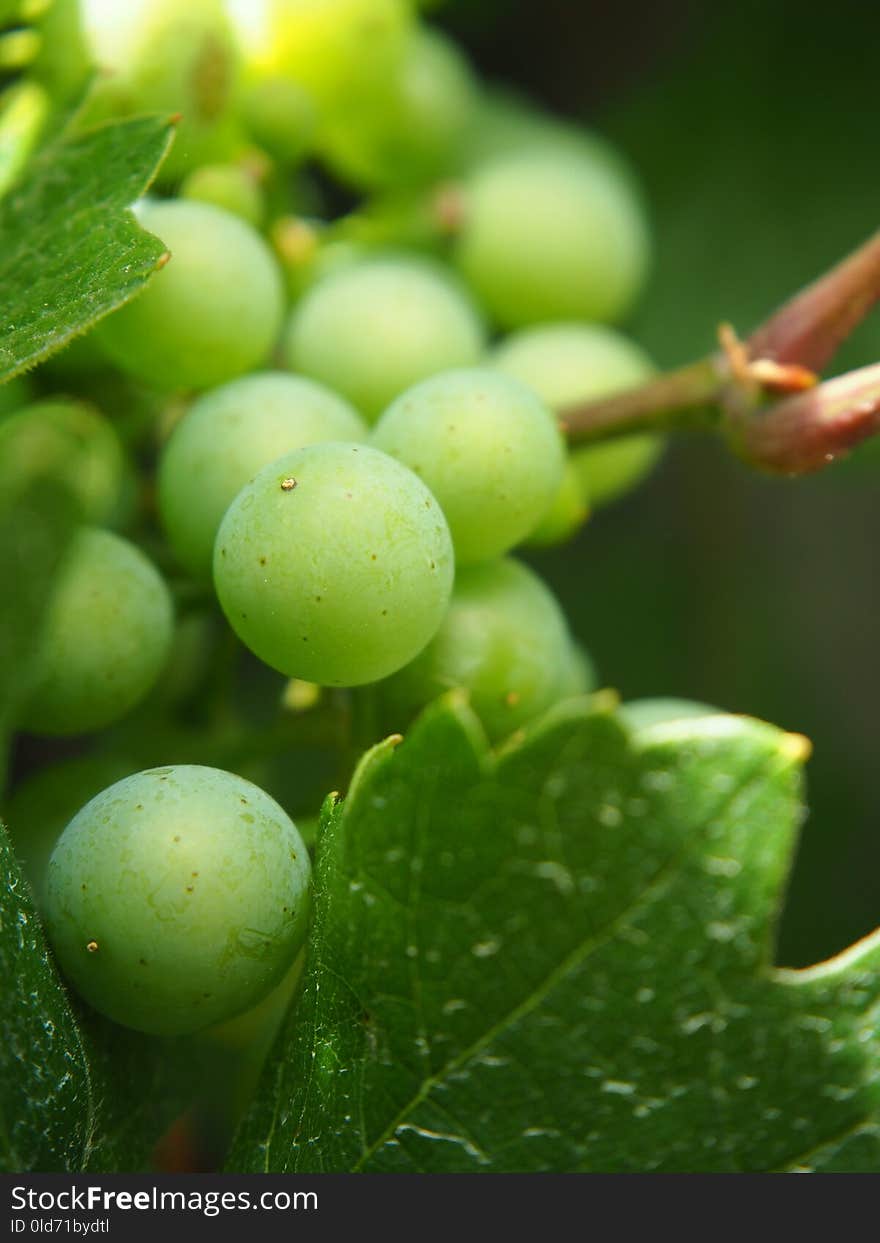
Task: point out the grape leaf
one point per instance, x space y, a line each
76 1092
36 522
47 1095
38 514
559 958
70 251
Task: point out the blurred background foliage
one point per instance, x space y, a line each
754 129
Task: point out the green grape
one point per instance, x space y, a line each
41 805
281 117
211 314
229 186
190 667
488 449
552 234
14 394
18 47
298 243
315 253
613 468
338 50
226 437
248 1038
178 898
105 638
372 329
255 1029
506 123
504 640
643 713
569 363
82 443
568 512
63 65
334 565
164 56
579 675
411 127
24 109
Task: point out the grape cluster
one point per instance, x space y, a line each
336 422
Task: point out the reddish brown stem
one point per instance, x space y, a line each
678 397
782 356
808 431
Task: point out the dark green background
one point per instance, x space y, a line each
755 130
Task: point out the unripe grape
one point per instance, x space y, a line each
281 118
334 565
371 329
165 56
177 898
190 667
247 1038
252 1032
507 123
211 314
488 449
579 675
82 444
226 437
338 50
504 640
615 467
550 235
229 186
41 805
568 512
504 123
104 640
25 105
410 127
643 713
571 363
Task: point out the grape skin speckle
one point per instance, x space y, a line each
231 946
317 616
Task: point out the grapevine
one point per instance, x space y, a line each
329 356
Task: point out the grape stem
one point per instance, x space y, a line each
677 398
763 393
807 431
